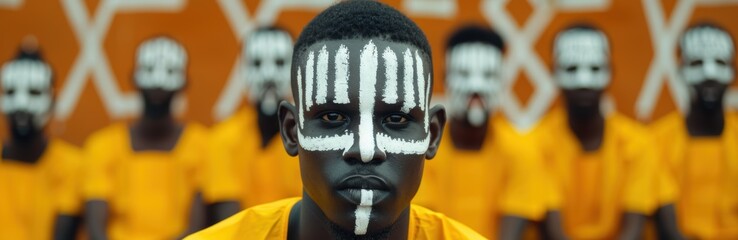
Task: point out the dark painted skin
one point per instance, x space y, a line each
156 130
325 212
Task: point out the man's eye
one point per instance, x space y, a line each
488 74
396 119
695 63
256 62
721 62
35 92
595 68
280 62
333 117
9 92
571 69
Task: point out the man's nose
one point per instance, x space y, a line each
364 149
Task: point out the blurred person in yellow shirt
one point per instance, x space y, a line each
605 164
700 148
362 128
142 179
39 198
480 144
248 165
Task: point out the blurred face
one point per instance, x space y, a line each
473 81
267 58
707 63
27 95
362 129
582 60
160 64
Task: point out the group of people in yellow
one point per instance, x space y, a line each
352 104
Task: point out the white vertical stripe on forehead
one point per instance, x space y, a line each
421 86
402 146
322 77
426 103
390 65
367 93
309 81
300 100
342 75
409 100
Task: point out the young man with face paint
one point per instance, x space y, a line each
362 129
699 147
248 164
38 175
481 144
141 179
605 164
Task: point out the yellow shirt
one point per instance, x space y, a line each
32 195
270 221
598 187
240 169
149 193
705 173
477 187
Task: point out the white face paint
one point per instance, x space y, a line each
268 57
27 87
707 54
473 69
415 82
582 59
161 63
363 212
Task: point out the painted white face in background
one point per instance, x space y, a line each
707 54
161 63
473 69
27 87
582 59
268 57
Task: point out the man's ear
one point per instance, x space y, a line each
437 122
288 127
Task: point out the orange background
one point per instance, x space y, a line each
213 48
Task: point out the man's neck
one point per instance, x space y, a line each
588 126
28 149
155 133
467 137
313 224
705 122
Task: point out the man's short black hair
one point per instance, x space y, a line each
361 19
476 33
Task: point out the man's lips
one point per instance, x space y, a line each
372 182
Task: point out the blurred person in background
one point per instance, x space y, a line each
700 148
248 165
485 174
39 198
604 163
142 179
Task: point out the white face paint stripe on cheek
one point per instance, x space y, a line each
421 86
402 146
326 143
367 93
390 64
309 74
363 211
322 77
342 75
409 100
427 97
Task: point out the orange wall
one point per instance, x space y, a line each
213 48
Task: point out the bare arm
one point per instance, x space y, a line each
552 226
632 226
666 223
512 227
65 227
96 214
219 211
